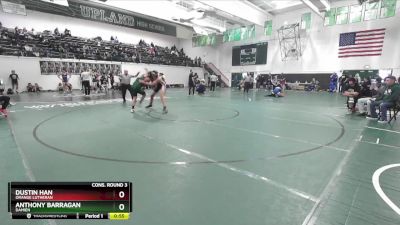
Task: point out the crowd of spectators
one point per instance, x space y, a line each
56 44
367 95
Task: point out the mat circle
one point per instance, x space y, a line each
75 153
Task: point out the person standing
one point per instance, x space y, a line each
86 77
213 79
159 86
14 80
138 88
342 82
125 82
111 77
64 77
191 83
247 83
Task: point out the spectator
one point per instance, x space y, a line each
65 77
378 94
30 87
111 78
67 33
365 96
352 92
56 32
387 100
14 80
52 45
60 87
333 82
4 102
342 82
36 88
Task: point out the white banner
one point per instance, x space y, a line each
58 2
9 7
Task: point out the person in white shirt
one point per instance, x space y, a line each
86 78
214 80
247 83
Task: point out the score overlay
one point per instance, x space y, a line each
70 200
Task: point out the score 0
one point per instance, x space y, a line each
120 196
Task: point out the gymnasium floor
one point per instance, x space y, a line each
220 159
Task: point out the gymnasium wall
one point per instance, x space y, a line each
320 46
29 71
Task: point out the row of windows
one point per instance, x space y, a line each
358 13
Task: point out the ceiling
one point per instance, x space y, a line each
210 16
278 6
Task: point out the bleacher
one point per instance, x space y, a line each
20 42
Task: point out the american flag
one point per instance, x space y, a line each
361 43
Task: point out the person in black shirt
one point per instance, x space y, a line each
342 81
4 102
191 83
14 80
366 88
352 92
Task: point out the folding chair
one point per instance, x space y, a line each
395 109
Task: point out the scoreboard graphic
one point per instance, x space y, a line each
252 54
248 56
70 200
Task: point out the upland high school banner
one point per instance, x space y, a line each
101 13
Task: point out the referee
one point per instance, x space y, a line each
125 81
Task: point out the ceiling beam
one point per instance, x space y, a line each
313 7
257 8
326 4
241 10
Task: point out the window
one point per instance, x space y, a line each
388 8
371 11
306 21
355 13
342 15
268 28
330 17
